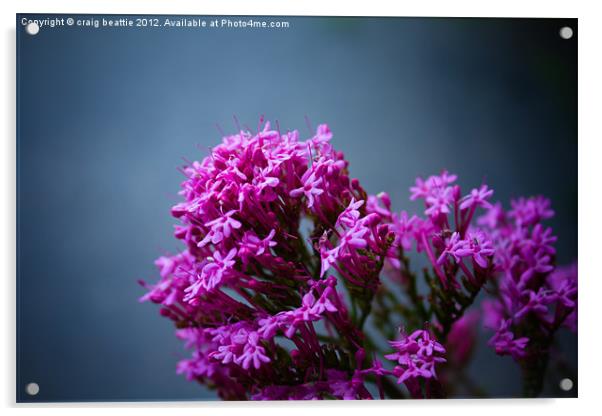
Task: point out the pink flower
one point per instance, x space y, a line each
493 217
220 228
251 245
493 313
422 189
323 133
341 387
405 228
309 189
480 246
232 340
327 258
536 303
323 304
535 262
268 326
353 238
438 202
212 274
264 211
504 342
563 281
253 353
541 239
425 188
416 356
477 198
350 215
379 204
456 248
529 211
198 366
232 172
262 182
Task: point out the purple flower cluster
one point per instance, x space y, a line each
535 298
446 234
416 356
282 265
252 291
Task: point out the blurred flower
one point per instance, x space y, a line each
534 297
505 343
462 338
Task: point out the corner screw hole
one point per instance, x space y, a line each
32 389
32 28
566 384
566 32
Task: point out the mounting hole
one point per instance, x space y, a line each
32 28
32 389
566 384
566 32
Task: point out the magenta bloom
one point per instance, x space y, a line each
505 343
477 198
416 355
310 188
253 353
494 217
279 291
533 297
247 286
529 211
425 188
404 227
481 248
350 215
438 202
221 228
456 248
252 246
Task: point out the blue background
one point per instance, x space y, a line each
105 116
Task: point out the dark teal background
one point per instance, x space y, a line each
105 116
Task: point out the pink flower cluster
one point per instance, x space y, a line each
535 298
252 289
452 244
282 265
416 356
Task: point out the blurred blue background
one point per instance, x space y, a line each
105 116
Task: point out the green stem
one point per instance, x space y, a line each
534 369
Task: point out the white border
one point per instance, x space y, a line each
590 232
507 8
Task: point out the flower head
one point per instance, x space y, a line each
350 215
221 228
438 202
212 274
456 248
529 211
505 343
272 225
477 198
310 188
416 356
